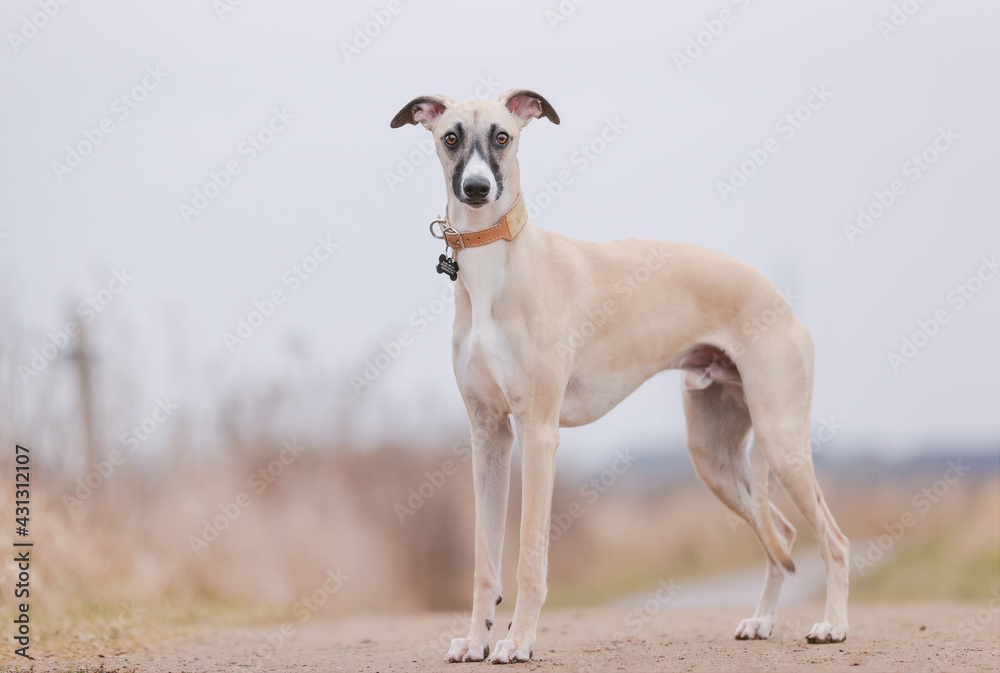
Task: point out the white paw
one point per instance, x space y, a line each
508 652
755 628
463 649
825 632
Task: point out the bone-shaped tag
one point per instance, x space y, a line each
448 267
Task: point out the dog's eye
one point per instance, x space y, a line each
450 139
502 138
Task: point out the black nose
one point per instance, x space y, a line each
476 187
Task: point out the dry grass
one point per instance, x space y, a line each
123 562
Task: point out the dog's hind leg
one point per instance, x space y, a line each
718 426
777 377
492 441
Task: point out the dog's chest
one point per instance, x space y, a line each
482 355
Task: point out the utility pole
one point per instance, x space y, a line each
83 360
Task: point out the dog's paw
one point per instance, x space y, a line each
755 628
509 652
462 649
825 632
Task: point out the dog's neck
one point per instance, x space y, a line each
483 269
465 219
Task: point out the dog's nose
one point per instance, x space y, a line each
476 187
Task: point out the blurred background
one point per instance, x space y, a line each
223 340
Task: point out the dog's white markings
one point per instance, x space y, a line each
507 652
463 650
756 628
478 168
459 647
482 353
825 632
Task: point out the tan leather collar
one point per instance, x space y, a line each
509 226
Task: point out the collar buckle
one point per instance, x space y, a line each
444 231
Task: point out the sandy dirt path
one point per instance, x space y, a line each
896 637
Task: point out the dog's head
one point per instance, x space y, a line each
476 140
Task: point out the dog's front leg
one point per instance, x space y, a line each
492 440
538 449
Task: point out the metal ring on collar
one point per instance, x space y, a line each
444 228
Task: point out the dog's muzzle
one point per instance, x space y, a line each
476 190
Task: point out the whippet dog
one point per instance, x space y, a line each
555 332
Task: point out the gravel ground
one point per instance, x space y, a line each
884 637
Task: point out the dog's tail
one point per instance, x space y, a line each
760 474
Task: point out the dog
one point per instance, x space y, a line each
555 332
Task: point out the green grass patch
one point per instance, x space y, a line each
930 571
87 627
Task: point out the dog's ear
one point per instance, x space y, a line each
527 105
423 110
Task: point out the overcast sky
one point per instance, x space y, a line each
286 105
